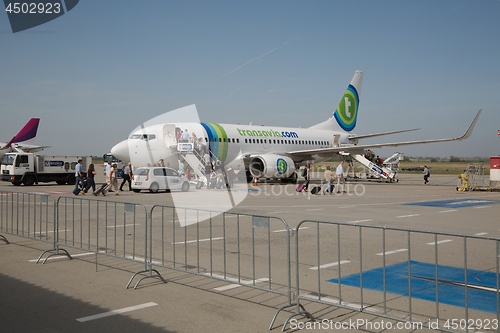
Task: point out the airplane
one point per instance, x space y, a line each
18 142
264 151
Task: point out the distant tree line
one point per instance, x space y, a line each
475 159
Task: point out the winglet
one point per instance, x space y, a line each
468 132
27 132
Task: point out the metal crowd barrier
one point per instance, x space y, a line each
435 280
110 228
245 249
28 215
400 274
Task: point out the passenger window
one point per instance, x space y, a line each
159 172
171 172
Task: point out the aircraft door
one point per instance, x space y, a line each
336 140
266 143
169 135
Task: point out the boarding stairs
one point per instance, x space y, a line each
194 159
388 170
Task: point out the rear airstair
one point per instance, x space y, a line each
388 170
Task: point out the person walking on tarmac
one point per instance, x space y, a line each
427 174
113 180
90 179
127 176
307 175
79 174
339 173
328 180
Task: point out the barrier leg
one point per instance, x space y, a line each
55 252
149 276
2 237
299 313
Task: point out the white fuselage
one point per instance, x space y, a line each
229 142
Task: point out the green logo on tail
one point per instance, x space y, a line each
347 110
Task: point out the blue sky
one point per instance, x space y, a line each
100 70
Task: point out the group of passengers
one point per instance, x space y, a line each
329 179
111 172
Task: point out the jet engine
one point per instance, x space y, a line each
271 166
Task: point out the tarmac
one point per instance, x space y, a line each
88 294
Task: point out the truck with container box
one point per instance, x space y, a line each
29 168
109 158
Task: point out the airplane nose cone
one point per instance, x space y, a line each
121 151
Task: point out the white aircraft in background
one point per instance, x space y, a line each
19 140
264 151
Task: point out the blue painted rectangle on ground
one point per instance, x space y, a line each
481 285
454 203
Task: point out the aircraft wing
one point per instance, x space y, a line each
365 136
359 149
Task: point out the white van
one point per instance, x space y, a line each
155 179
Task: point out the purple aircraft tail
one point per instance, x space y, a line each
26 133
